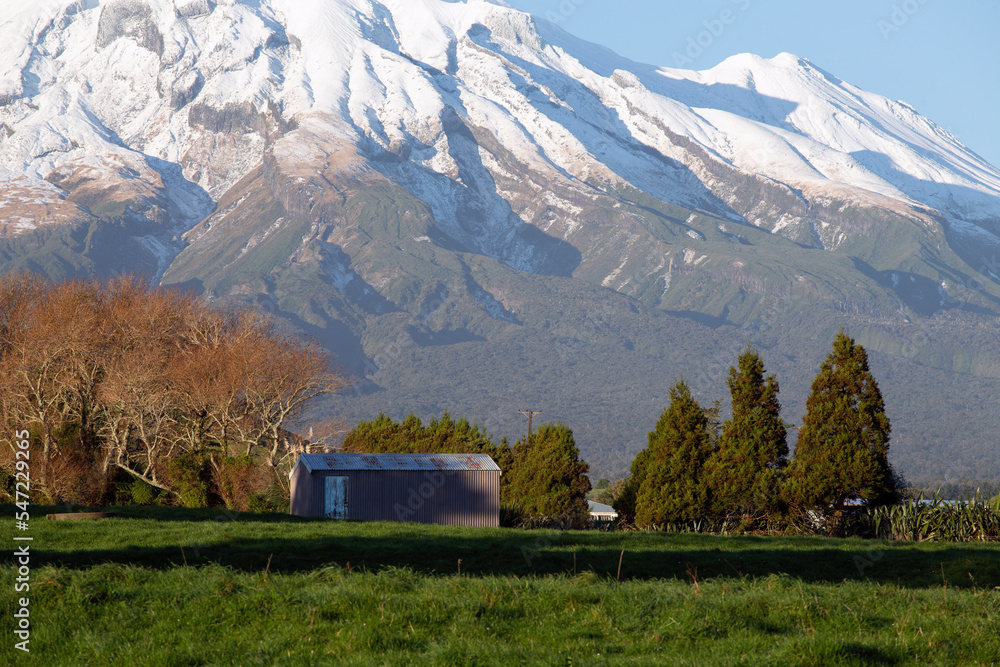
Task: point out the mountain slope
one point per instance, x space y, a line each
472 208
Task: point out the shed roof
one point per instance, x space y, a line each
599 508
398 462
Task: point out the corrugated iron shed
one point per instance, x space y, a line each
455 489
398 462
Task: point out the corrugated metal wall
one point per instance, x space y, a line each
458 498
301 484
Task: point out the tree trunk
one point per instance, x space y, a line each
147 480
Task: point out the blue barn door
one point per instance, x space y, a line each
335 498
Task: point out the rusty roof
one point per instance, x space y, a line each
398 462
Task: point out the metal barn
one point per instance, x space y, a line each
450 489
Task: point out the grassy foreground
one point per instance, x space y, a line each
189 587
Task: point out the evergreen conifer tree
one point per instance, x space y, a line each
411 436
742 474
672 487
440 436
843 445
548 478
624 502
378 436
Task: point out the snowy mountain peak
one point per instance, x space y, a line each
129 90
790 120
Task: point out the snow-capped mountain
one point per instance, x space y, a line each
361 164
123 92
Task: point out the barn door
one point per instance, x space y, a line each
335 498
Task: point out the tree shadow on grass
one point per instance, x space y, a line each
294 544
164 513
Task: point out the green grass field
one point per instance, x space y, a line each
166 586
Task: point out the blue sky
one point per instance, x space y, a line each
942 57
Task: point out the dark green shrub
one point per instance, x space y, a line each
512 515
257 502
277 498
189 478
141 492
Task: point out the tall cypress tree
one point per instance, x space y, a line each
742 474
548 478
843 445
624 503
672 488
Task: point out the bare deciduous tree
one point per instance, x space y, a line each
143 375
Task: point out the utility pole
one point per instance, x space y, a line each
530 414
